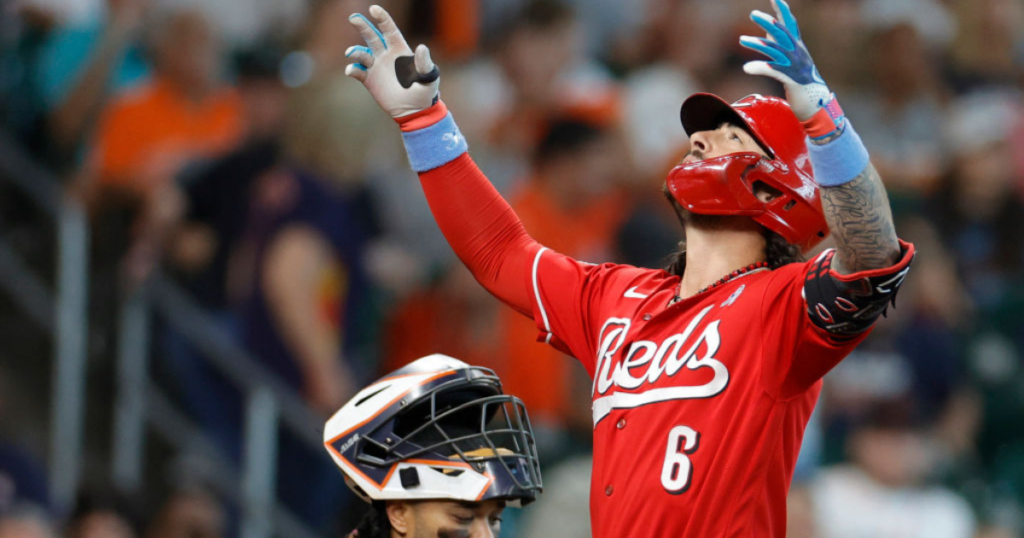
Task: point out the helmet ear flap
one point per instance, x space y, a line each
758 177
786 209
783 208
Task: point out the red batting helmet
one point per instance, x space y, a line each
725 185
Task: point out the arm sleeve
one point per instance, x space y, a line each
799 347
477 222
482 229
486 234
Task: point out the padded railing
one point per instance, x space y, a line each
140 405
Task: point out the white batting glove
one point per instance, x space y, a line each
400 81
791 64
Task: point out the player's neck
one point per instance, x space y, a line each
711 254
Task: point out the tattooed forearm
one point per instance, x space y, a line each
860 219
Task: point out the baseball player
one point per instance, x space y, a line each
704 375
437 449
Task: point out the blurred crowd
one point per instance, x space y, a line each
219 142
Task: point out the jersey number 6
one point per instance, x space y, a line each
676 473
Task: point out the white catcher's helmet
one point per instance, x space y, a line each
436 429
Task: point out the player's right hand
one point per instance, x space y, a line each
401 81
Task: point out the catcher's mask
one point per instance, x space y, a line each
436 429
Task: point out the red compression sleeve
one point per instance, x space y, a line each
482 229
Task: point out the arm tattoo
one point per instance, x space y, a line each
860 219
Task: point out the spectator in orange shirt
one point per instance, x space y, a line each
450 316
571 204
149 135
183 114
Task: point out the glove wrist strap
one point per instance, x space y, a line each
424 118
826 121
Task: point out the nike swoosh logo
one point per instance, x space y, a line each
632 294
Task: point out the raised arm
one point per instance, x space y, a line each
852 194
478 223
860 219
482 229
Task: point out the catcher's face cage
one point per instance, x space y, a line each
452 423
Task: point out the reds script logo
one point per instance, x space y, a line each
646 362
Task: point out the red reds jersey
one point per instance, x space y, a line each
699 407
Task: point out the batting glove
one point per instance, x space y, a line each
402 82
790 63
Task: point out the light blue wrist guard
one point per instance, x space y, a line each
839 161
433 146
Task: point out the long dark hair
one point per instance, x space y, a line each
777 251
375 523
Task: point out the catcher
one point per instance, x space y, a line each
437 450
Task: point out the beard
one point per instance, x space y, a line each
698 221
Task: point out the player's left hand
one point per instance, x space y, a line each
790 63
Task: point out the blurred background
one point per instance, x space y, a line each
210 238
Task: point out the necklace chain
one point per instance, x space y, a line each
752 268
